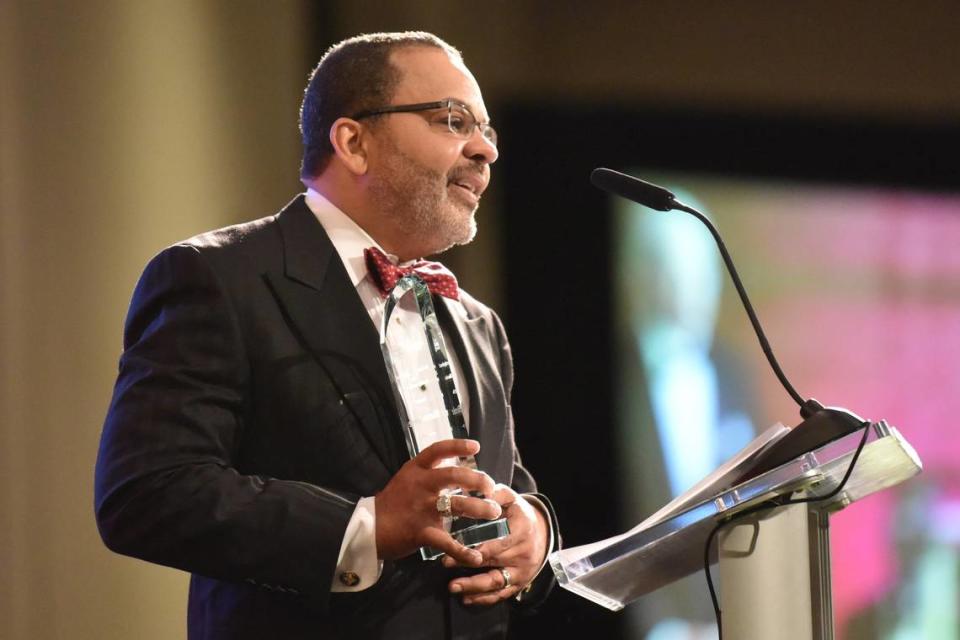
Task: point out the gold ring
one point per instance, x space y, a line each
443 505
506 577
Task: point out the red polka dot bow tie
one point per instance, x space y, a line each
385 274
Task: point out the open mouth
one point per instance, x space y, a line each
469 190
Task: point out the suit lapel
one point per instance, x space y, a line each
322 305
479 371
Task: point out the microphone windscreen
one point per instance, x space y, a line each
649 195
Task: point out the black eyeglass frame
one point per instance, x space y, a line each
486 129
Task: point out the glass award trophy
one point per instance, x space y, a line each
426 396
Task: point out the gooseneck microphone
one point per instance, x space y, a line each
654 197
649 195
820 424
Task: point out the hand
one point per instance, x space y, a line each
521 553
407 516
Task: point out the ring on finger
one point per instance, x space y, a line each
506 577
444 505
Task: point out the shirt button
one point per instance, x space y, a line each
349 579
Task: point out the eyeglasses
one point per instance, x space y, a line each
452 113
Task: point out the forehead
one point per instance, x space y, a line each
429 74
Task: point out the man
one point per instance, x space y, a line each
253 439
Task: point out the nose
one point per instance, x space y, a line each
479 149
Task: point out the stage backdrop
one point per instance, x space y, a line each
638 368
859 289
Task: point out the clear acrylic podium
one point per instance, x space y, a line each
774 565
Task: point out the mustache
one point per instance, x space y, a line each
474 168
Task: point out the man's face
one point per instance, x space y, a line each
425 178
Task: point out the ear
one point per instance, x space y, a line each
349 140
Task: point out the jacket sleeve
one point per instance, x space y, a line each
166 486
523 482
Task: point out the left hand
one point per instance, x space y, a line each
521 553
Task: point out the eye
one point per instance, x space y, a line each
460 122
440 118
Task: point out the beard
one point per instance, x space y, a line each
418 200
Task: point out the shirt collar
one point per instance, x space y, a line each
348 238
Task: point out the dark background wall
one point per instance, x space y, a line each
126 126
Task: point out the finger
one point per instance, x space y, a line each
504 495
493 553
516 554
491 550
479 508
444 449
491 557
510 556
468 479
486 582
491 598
442 541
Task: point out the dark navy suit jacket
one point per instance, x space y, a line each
252 410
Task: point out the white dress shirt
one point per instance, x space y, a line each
358 551
424 403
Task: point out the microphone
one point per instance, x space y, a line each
654 197
822 424
649 195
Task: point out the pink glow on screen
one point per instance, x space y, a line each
867 312
858 290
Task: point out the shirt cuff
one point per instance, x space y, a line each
358 567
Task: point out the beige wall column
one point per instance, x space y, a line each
124 126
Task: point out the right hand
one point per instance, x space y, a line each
406 509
